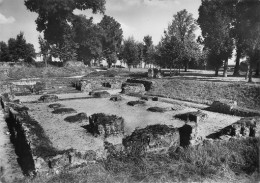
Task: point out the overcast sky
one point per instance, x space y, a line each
137 17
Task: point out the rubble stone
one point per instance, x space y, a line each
106 125
154 138
197 116
116 98
223 106
48 98
100 94
134 103
133 88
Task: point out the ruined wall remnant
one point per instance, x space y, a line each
245 127
48 98
134 103
133 88
223 106
147 83
197 116
87 85
116 98
106 125
35 152
100 94
78 118
154 138
188 134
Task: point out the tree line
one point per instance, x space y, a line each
226 25
17 49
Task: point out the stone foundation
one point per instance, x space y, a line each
246 127
133 88
147 83
196 117
154 138
48 98
90 84
106 125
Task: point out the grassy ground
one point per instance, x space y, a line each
228 161
34 72
208 91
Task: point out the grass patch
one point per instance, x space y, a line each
226 161
206 92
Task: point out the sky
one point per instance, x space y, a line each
138 18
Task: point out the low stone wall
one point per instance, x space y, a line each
90 84
197 116
230 107
147 83
246 127
133 88
34 149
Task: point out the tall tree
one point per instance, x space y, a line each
215 22
250 32
55 21
147 49
111 39
171 51
183 27
88 36
20 49
4 52
130 52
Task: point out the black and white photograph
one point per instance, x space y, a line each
129 91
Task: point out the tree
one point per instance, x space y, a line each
88 36
111 39
216 22
183 27
170 51
20 50
55 19
147 49
130 52
4 52
250 31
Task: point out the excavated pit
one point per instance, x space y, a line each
66 140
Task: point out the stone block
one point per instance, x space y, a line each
188 134
147 83
155 139
106 125
158 109
133 88
196 117
55 105
78 118
48 98
100 94
64 111
223 106
116 98
150 73
134 103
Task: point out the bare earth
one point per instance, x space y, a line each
66 135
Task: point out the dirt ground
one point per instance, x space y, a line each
66 135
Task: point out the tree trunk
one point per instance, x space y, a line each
257 69
236 69
171 71
216 72
186 68
225 68
250 73
247 71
